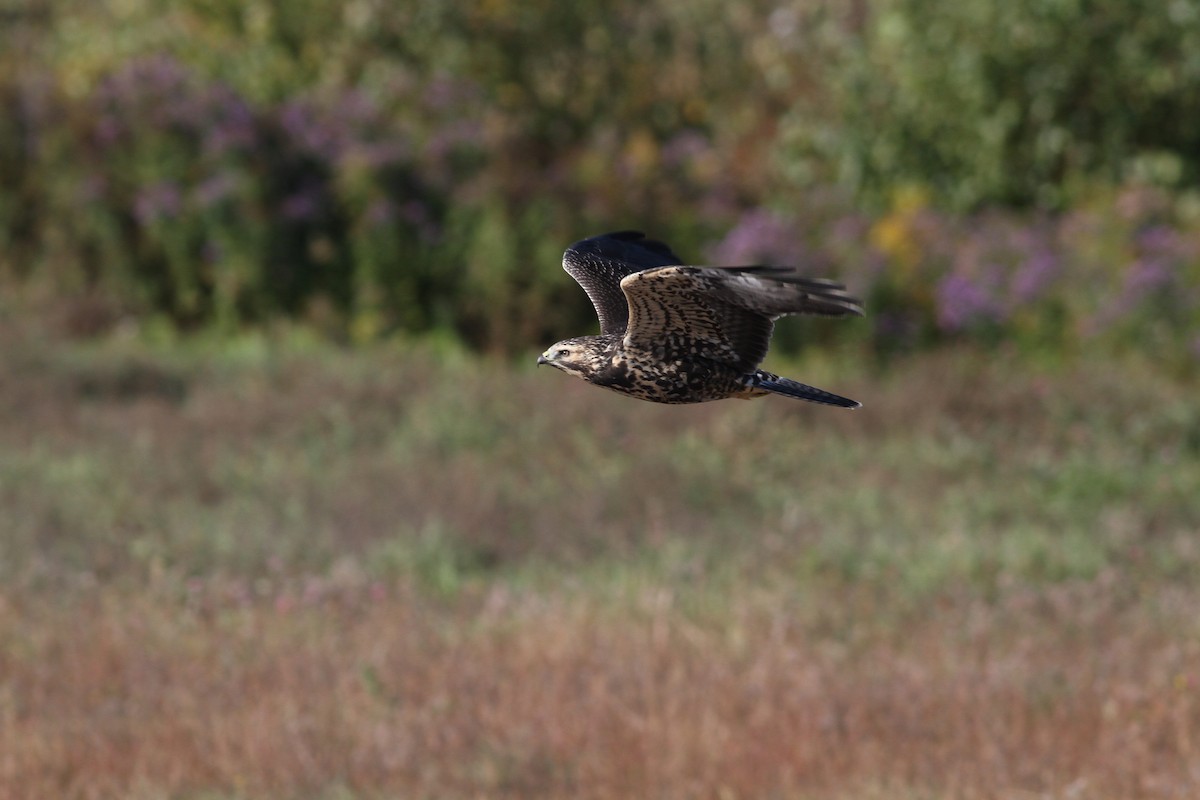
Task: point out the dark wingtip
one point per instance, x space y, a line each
827 297
624 245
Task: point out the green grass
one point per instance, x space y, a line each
262 457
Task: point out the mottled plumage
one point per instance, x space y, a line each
671 333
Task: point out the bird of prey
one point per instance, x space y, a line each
671 333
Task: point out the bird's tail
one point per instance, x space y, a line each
790 388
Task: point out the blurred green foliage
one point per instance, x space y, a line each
1012 102
376 167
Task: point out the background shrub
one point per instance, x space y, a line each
1019 103
987 171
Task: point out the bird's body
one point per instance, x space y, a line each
654 376
671 333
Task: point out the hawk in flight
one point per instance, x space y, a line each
671 333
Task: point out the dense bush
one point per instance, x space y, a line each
419 166
985 101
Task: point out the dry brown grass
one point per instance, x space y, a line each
372 693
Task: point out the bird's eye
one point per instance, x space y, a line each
563 353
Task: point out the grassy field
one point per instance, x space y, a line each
276 569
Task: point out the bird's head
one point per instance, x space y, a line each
580 356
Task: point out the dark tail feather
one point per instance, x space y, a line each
801 391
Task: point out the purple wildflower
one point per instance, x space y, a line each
357 107
440 93
1034 275
157 201
232 126
308 132
108 129
1147 275
302 205
962 302
760 237
1159 239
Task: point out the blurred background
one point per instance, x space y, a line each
287 512
1018 171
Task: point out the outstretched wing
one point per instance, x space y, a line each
598 264
724 314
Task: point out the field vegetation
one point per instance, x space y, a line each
275 568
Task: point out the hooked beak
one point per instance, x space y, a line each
543 360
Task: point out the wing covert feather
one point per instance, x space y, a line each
724 314
675 315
